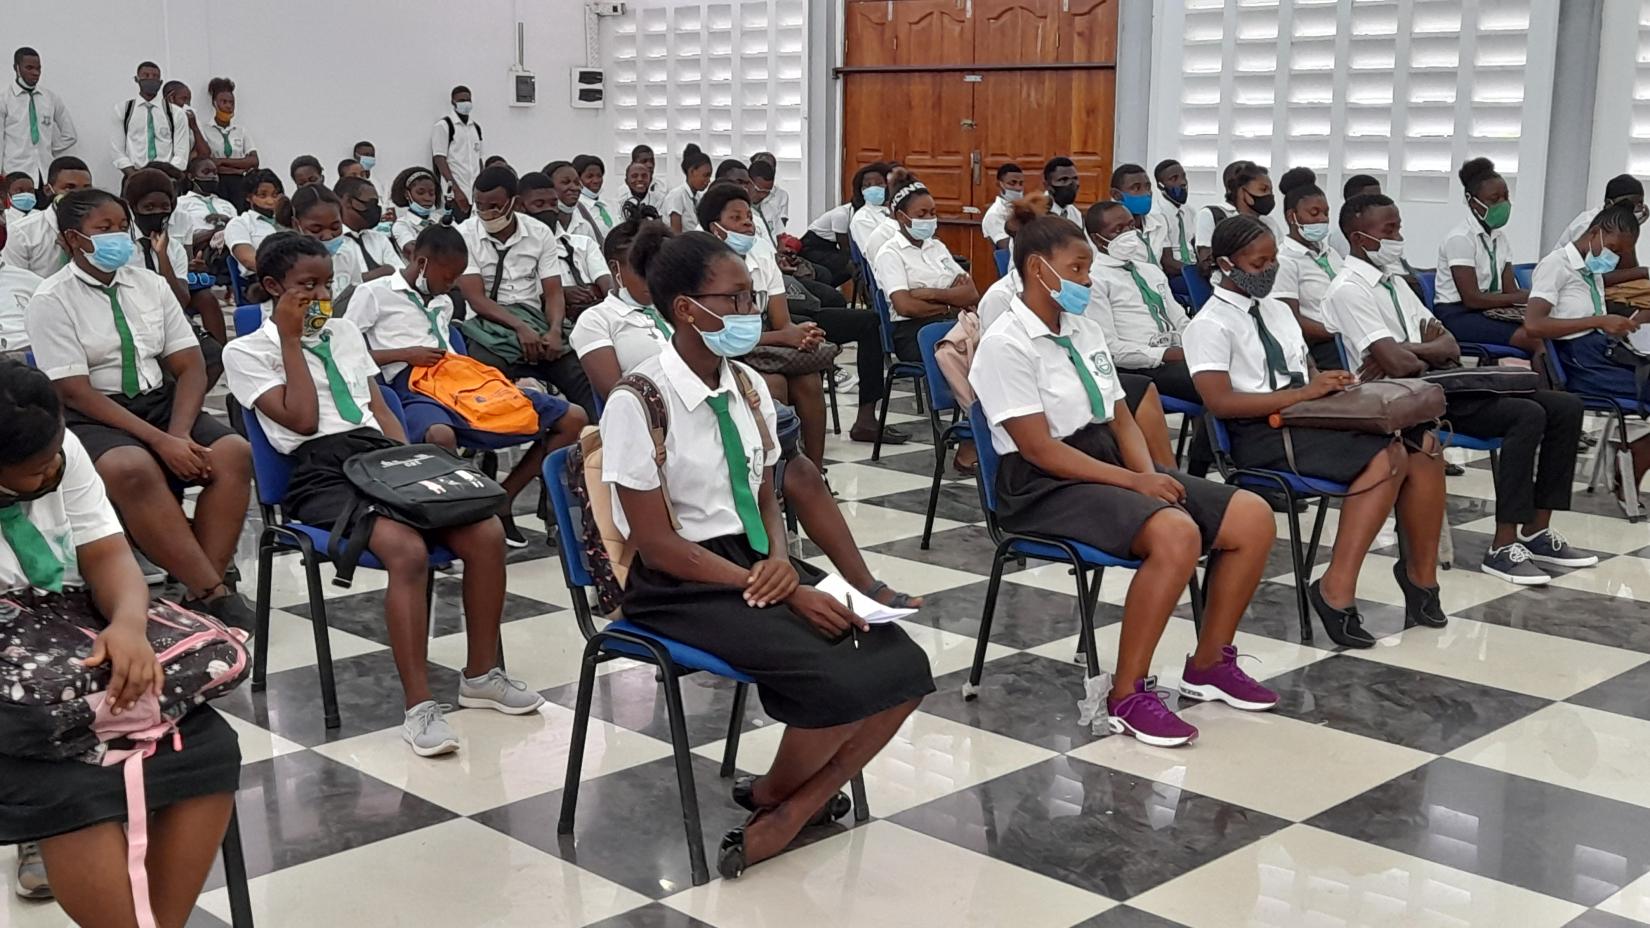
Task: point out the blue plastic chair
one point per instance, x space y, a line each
1447 436
1083 559
897 370
1002 262
673 658
1429 286
1522 274
1190 414
940 399
1616 407
237 283
1197 286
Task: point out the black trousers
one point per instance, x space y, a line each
830 256
1174 379
858 327
1539 436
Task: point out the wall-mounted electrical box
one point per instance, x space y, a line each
588 88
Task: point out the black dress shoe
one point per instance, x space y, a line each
1452 469
744 796
730 857
1421 604
1344 626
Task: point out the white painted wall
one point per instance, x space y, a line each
315 76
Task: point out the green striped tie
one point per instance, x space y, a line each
1403 322
1153 299
430 314
34 118
129 384
658 321
152 150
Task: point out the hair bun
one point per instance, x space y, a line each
691 149
1022 212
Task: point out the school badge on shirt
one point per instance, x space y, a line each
1101 361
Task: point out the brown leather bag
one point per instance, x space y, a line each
1377 407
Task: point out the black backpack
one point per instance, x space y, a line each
452 131
421 485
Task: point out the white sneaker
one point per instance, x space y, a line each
846 379
494 690
31 873
427 731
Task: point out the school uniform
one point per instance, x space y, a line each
34 128
682 201
150 130
391 315
1070 213
1230 335
74 327
713 470
576 224
1539 431
1577 226
1171 226
1304 275
994 224
1563 280
31 244
458 139
41 798
776 208
864 220
231 141
17 287
249 228
634 332
1206 222
1070 377
1000 296
1487 252
820 243
580 259
145 257
408 225
906 265
1145 321
193 215
630 202
362 253
596 214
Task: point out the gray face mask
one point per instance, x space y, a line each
1257 285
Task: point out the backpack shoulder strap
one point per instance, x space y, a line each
450 131
126 121
753 399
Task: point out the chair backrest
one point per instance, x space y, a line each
455 340
1522 274
249 317
1555 365
237 283
1346 358
271 470
1197 286
879 302
1219 437
940 396
987 472
571 546
1429 286
1002 262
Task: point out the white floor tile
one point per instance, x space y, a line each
1611 534
875 525
1114 583
542 651
1625 577
863 481
1633 901
291 642
256 743
1586 749
910 577
1510 658
1458 589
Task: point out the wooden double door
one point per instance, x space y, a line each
954 88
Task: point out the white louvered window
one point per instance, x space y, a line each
1638 146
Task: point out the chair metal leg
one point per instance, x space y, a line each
1086 599
736 723
575 747
1301 574
1196 590
830 392
684 777
940 448
234 874
1624 466
862 811
318 625
1317 534
882 416
985 624
260 628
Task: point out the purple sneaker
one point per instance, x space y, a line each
1145 715
1227 683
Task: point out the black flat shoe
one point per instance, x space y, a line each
1421 604
730 857
1344 626
1452 469
744 792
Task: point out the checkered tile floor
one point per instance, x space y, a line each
1491 773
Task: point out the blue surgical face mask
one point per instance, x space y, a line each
740 242
1314 231
923 229
1602 263
22 202
1072 296
1138 204
383 228
423 212
874 196
367 161
738 335
110 250
587 193
333 244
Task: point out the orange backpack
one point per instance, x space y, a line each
481 395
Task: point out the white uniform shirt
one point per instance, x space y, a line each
652 198
1359 308
696 466
352 261
765 275
1578 225
1140 340
72 328
18 150
252 367
1167 225
576 225
833 222
249 228
17 287
902 265
776 208
1224 337
884 232
598 215
231 141
1468 245
530 260
462 150
31 244
1301 277
409 224
190 217
1018 370
1070 213
994 224
621 325
683 201
1562 279
131 136
175 252
1205 231
576 252
389 318
997 298
76 513
864 220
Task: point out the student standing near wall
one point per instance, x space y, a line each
455 144
34 124
147 128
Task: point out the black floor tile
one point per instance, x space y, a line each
369 699
632 698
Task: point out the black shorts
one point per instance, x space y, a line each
155 408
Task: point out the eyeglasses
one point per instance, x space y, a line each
744 302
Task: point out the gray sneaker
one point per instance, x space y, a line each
494 690
426 729
31 873
1512 564
1549 547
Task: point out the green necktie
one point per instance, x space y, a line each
1322 260
1097 403
228 148
34 555
211 210
658 321
1275 362
733 447
1185 249
335 380
1592 291
1495 269
1153 299
34 118
151 108
607 220
128 349
433 316
1403 323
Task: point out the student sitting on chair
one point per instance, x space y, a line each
615 336
560 209
874 211
130 371
62 551
314 387
1141 318
405 318
1568 306
639 192
18 197
722 581
1061 182
915 269
318 214
415 193
1389 333
1306 265
1475 274
152 197
825 243
1249 360
592 172
1011 187
17 287
367 247
1623 188
513 286
304 171
1171 224
32 242
584 280
243 234
771 200
1248 191
682 203
1074 466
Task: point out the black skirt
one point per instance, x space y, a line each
804 678
318 491
1098 514
1326 454
43 799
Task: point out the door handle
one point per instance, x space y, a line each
974 165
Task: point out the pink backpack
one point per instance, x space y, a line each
52 708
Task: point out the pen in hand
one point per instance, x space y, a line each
853 629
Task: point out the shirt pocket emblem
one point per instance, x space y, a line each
1101 362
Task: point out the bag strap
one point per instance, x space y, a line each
754 400
571 259
658 424
356 521
1289 457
